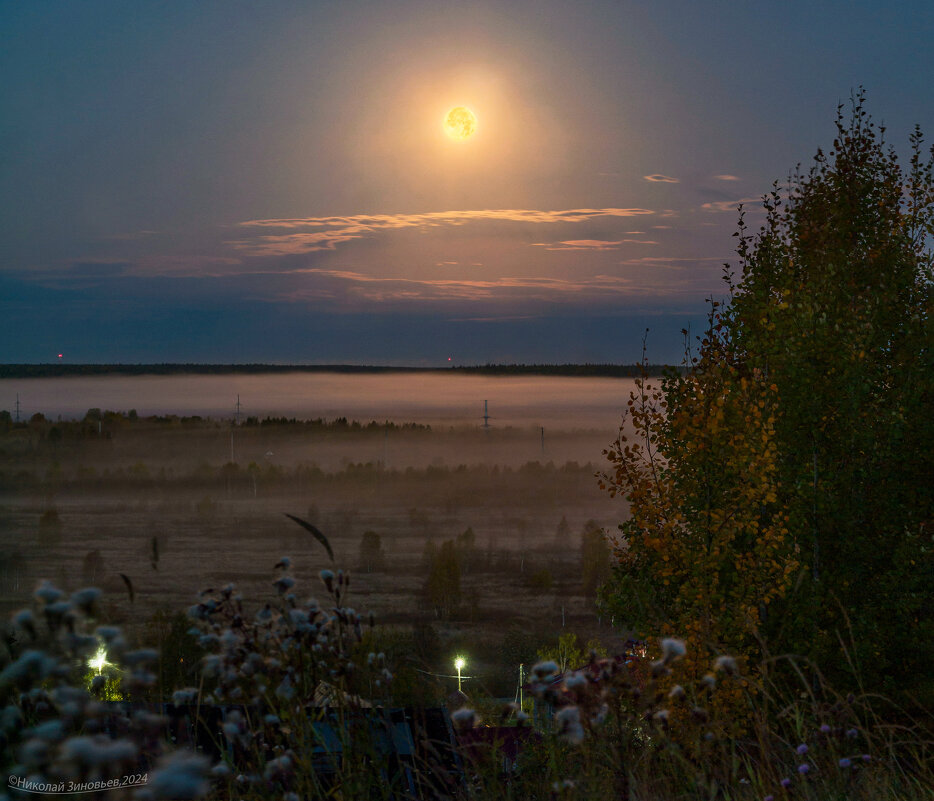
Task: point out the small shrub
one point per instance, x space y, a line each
49 520
541 580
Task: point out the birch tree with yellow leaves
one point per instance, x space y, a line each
781 487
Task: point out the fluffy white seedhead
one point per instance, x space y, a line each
726 664
544 671
576 681
709 681
47 592
23 619
672 649
86 599
108 633
464 718
187 695
568 724
676 693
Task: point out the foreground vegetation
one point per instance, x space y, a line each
307 701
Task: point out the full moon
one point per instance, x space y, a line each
460 123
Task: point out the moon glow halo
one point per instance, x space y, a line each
460 123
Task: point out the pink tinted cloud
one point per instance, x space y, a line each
593 245
729 205
726 177
579 244
308 234
658 178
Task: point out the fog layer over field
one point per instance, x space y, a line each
179 502
433 398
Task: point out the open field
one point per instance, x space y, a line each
162 503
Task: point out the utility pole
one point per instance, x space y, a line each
521 678
486 414
17 407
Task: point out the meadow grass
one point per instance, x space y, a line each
308 716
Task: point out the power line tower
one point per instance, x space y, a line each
486 414
17 407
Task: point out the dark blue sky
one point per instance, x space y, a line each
226 181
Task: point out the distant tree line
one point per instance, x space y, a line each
461 485
110 419
338 424
57 370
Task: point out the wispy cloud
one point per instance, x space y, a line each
360 286
308 234
594 245
579 244
658 178
729 205
727 177
671 261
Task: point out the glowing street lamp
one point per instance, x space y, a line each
99 660
459 663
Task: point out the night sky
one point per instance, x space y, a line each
272 182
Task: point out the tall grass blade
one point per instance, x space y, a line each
129 587
315 532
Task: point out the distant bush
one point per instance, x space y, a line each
442 588
541 580
50 519
372 556
595 557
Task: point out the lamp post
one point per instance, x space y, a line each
459 666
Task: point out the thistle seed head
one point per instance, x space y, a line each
672 649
